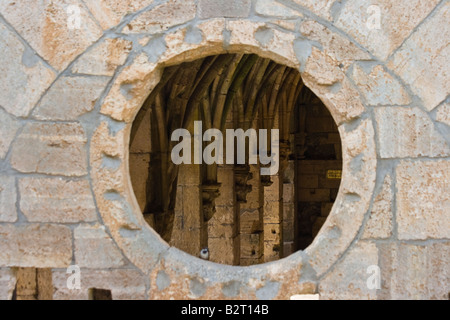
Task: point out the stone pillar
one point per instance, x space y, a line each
223 228
189 231
251 222
273 219
289 216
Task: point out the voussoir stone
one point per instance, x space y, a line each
223 9
274 9
423 60
35 245
8 129
55 149
58 30
423 202
56 200
8 198
24 75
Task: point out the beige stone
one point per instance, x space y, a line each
94 248
380 222
274 9
33 245
26 287
397 21
139 165
56 149
423 202
104 58
163 17
110 12
56 200
322 8
443 114
47 28
70 97
422 61
273 232
7 283
8 198
379 87
8 129
408 132
125 284
348 279
323 69
414 271
229 9
25 76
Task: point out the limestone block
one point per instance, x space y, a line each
56 149
423 202
24 76
273 9
422 61
56 200
8 198
94 248
34 245
397 21
221 9
443 114
7 283
408 132
8 129
52 28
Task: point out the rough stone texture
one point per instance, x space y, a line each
94 248
414 271
163 17
380 88
8 129
33 245
70 97
104 58
422 61
443 114
348 279
408 132
274 9
423 203
398 19
380 222
322 8
125 284
24 75
8 198
56 200
56 149
110 12
45 25
7 283
226 9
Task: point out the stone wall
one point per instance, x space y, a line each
70 92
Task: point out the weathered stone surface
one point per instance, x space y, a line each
56 149
110 12
7 284
408 132
223 9
379 225
8 198
24 75
8 129
274 9
322 8
130 89
423 202
70 97
33 245
163 17
443 114
94 248
323 68
397 21
423 60
56 200
104 58
47 28
416 272
125 284
379 87
348 279
334 44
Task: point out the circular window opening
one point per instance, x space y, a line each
234 160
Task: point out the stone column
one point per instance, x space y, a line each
289 216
